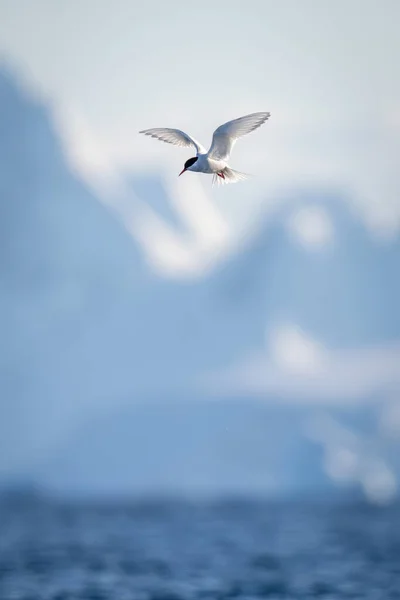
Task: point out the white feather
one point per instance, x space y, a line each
175 137
230 176
225 135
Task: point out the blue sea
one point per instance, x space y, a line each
184 550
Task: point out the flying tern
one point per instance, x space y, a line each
215 161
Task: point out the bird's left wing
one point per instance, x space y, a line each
175 137
225 135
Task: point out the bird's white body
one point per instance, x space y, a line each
205 164
215 161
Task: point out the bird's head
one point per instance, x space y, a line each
188 164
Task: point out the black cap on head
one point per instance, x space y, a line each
190 162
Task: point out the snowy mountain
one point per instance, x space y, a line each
345 293
189 445
88 326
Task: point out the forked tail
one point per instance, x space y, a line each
229 175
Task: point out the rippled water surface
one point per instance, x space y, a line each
174 551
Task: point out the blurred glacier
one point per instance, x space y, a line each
145 348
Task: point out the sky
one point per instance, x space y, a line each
327 72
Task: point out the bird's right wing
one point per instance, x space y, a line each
225 135
175 137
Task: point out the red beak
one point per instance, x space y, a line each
181 172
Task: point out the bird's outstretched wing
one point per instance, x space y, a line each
175 137
225 135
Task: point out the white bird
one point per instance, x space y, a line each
215 161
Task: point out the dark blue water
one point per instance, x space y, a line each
174 551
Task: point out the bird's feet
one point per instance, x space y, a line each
221 175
